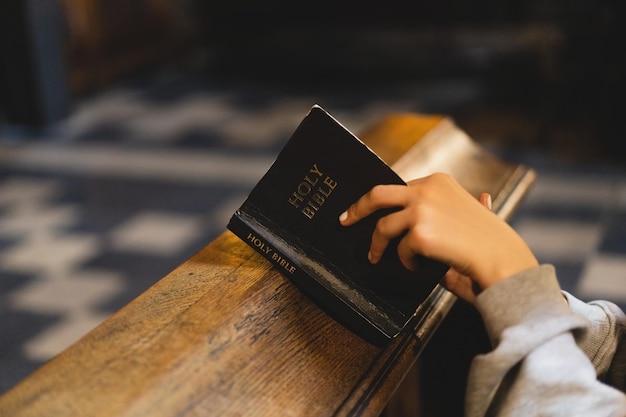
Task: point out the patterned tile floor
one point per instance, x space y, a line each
97 208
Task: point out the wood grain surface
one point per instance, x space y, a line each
225 334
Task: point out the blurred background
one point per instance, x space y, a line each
131 129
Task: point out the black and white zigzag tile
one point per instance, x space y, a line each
577 221
97 208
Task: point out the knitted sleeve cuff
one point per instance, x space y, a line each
531 294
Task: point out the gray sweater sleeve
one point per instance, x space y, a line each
536 367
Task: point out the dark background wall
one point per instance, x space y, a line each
554 63
557 62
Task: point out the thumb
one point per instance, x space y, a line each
485 200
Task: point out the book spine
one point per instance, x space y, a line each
259 240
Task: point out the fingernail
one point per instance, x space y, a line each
489 202
370 257
343 216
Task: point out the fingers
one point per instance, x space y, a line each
387 228
485 200
429 209
407 254
461 285
381 196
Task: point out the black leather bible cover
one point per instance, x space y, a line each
291 218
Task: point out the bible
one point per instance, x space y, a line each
291 218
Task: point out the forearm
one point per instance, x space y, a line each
536 368
557 379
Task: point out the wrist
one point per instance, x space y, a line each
506 261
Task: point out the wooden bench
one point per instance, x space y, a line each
225 334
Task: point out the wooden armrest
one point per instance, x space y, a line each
225 334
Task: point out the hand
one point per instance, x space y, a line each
460 284
441 220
